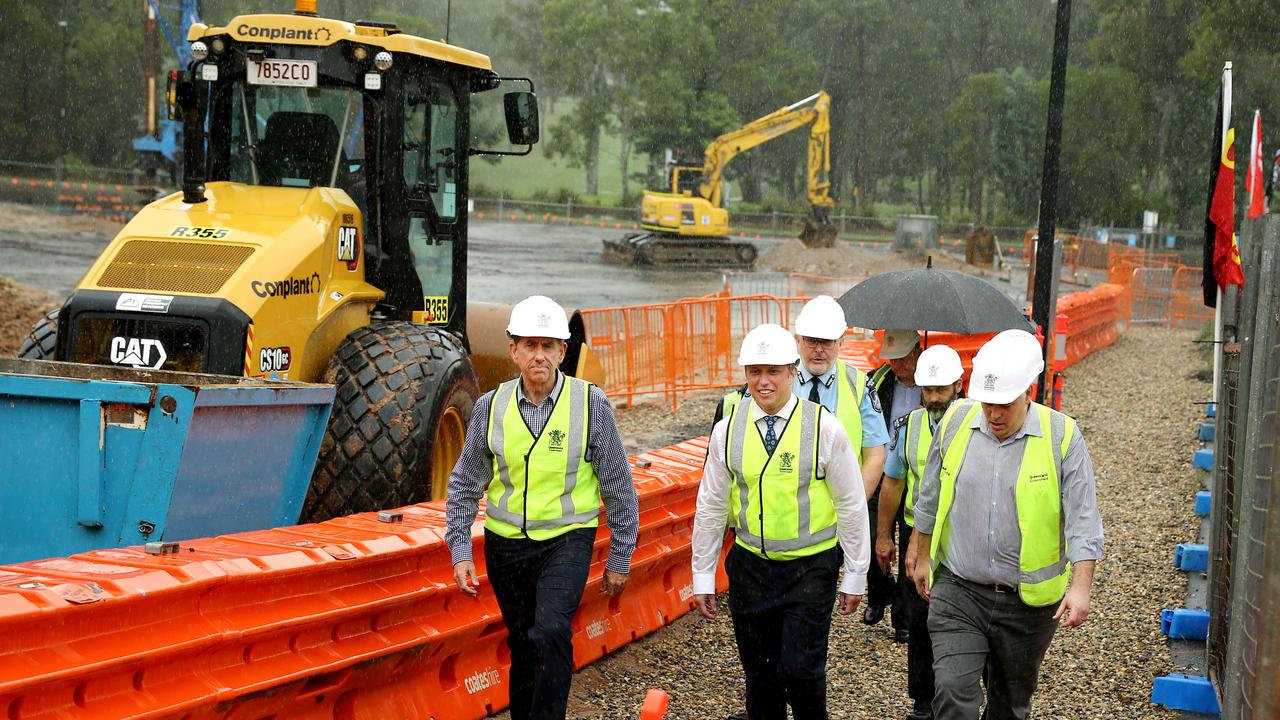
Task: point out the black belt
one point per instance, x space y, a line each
994 587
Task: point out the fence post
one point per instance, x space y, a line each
501 205
568 213
774 222
841 222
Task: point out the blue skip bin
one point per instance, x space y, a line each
94 457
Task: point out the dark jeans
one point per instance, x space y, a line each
781 619
974 628
915 613
539 585
881 587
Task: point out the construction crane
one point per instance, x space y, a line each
160 148
689 225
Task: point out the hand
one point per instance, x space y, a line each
1074 609
884 551
706 606
464 576
909 562
849 603
921 577
614 582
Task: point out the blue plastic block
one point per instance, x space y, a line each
1211 410
1203 459
1204 502
1188 693
1185 624
1206 432
1191 557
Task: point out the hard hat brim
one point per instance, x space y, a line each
994 397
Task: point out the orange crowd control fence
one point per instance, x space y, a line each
352 618
1163 291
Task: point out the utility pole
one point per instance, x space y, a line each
1042 296
63 133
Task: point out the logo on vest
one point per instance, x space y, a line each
1039 478
557 440
786 459
989 382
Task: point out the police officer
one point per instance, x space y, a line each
938 375
545 449
1000 575
785 477
893 387
825 379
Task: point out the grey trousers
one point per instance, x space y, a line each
975 628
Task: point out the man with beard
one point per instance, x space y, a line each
938 375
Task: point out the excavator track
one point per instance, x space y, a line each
663 250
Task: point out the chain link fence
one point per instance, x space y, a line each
1243 644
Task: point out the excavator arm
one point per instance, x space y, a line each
813 111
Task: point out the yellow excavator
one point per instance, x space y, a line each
690 225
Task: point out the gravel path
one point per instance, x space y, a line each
1140 437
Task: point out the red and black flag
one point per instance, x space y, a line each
1221 253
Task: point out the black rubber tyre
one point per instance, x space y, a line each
395 382
41 340
746 253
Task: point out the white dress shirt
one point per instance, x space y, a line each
843 476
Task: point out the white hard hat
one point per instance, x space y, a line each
898 344
823 318
1004 368
1024 339
768 344
538 316
938 365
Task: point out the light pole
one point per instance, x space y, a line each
63 134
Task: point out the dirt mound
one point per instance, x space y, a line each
845 260
26 306
33 218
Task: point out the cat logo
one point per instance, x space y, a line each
349 246
138 352
557 440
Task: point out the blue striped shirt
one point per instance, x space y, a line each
474 471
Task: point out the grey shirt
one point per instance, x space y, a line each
984 541
474 470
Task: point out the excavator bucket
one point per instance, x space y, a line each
818 232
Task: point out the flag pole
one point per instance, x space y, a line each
1224 122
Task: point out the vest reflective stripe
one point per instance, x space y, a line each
917 436
780 508
879 375
1043 570
542 486
851 386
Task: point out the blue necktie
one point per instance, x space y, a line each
770 438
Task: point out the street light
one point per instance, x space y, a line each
63 136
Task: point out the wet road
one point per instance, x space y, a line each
507 263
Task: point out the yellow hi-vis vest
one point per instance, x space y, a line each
851 386
543 485
1042 558
780 508
917 435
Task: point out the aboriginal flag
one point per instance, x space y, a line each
1221 253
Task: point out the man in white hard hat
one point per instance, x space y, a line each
545 449
938 375
784 476
893 389
1008 534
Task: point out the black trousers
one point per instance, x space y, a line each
539 585
781 619
882 588
915 612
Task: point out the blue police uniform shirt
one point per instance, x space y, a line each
895 464
873 430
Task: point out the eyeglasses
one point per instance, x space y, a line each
818 343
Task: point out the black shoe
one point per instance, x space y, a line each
901 635
921 711
872 615
743 716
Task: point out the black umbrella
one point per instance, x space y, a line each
931 299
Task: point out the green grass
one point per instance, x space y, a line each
522 177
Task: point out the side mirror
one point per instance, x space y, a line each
522 117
